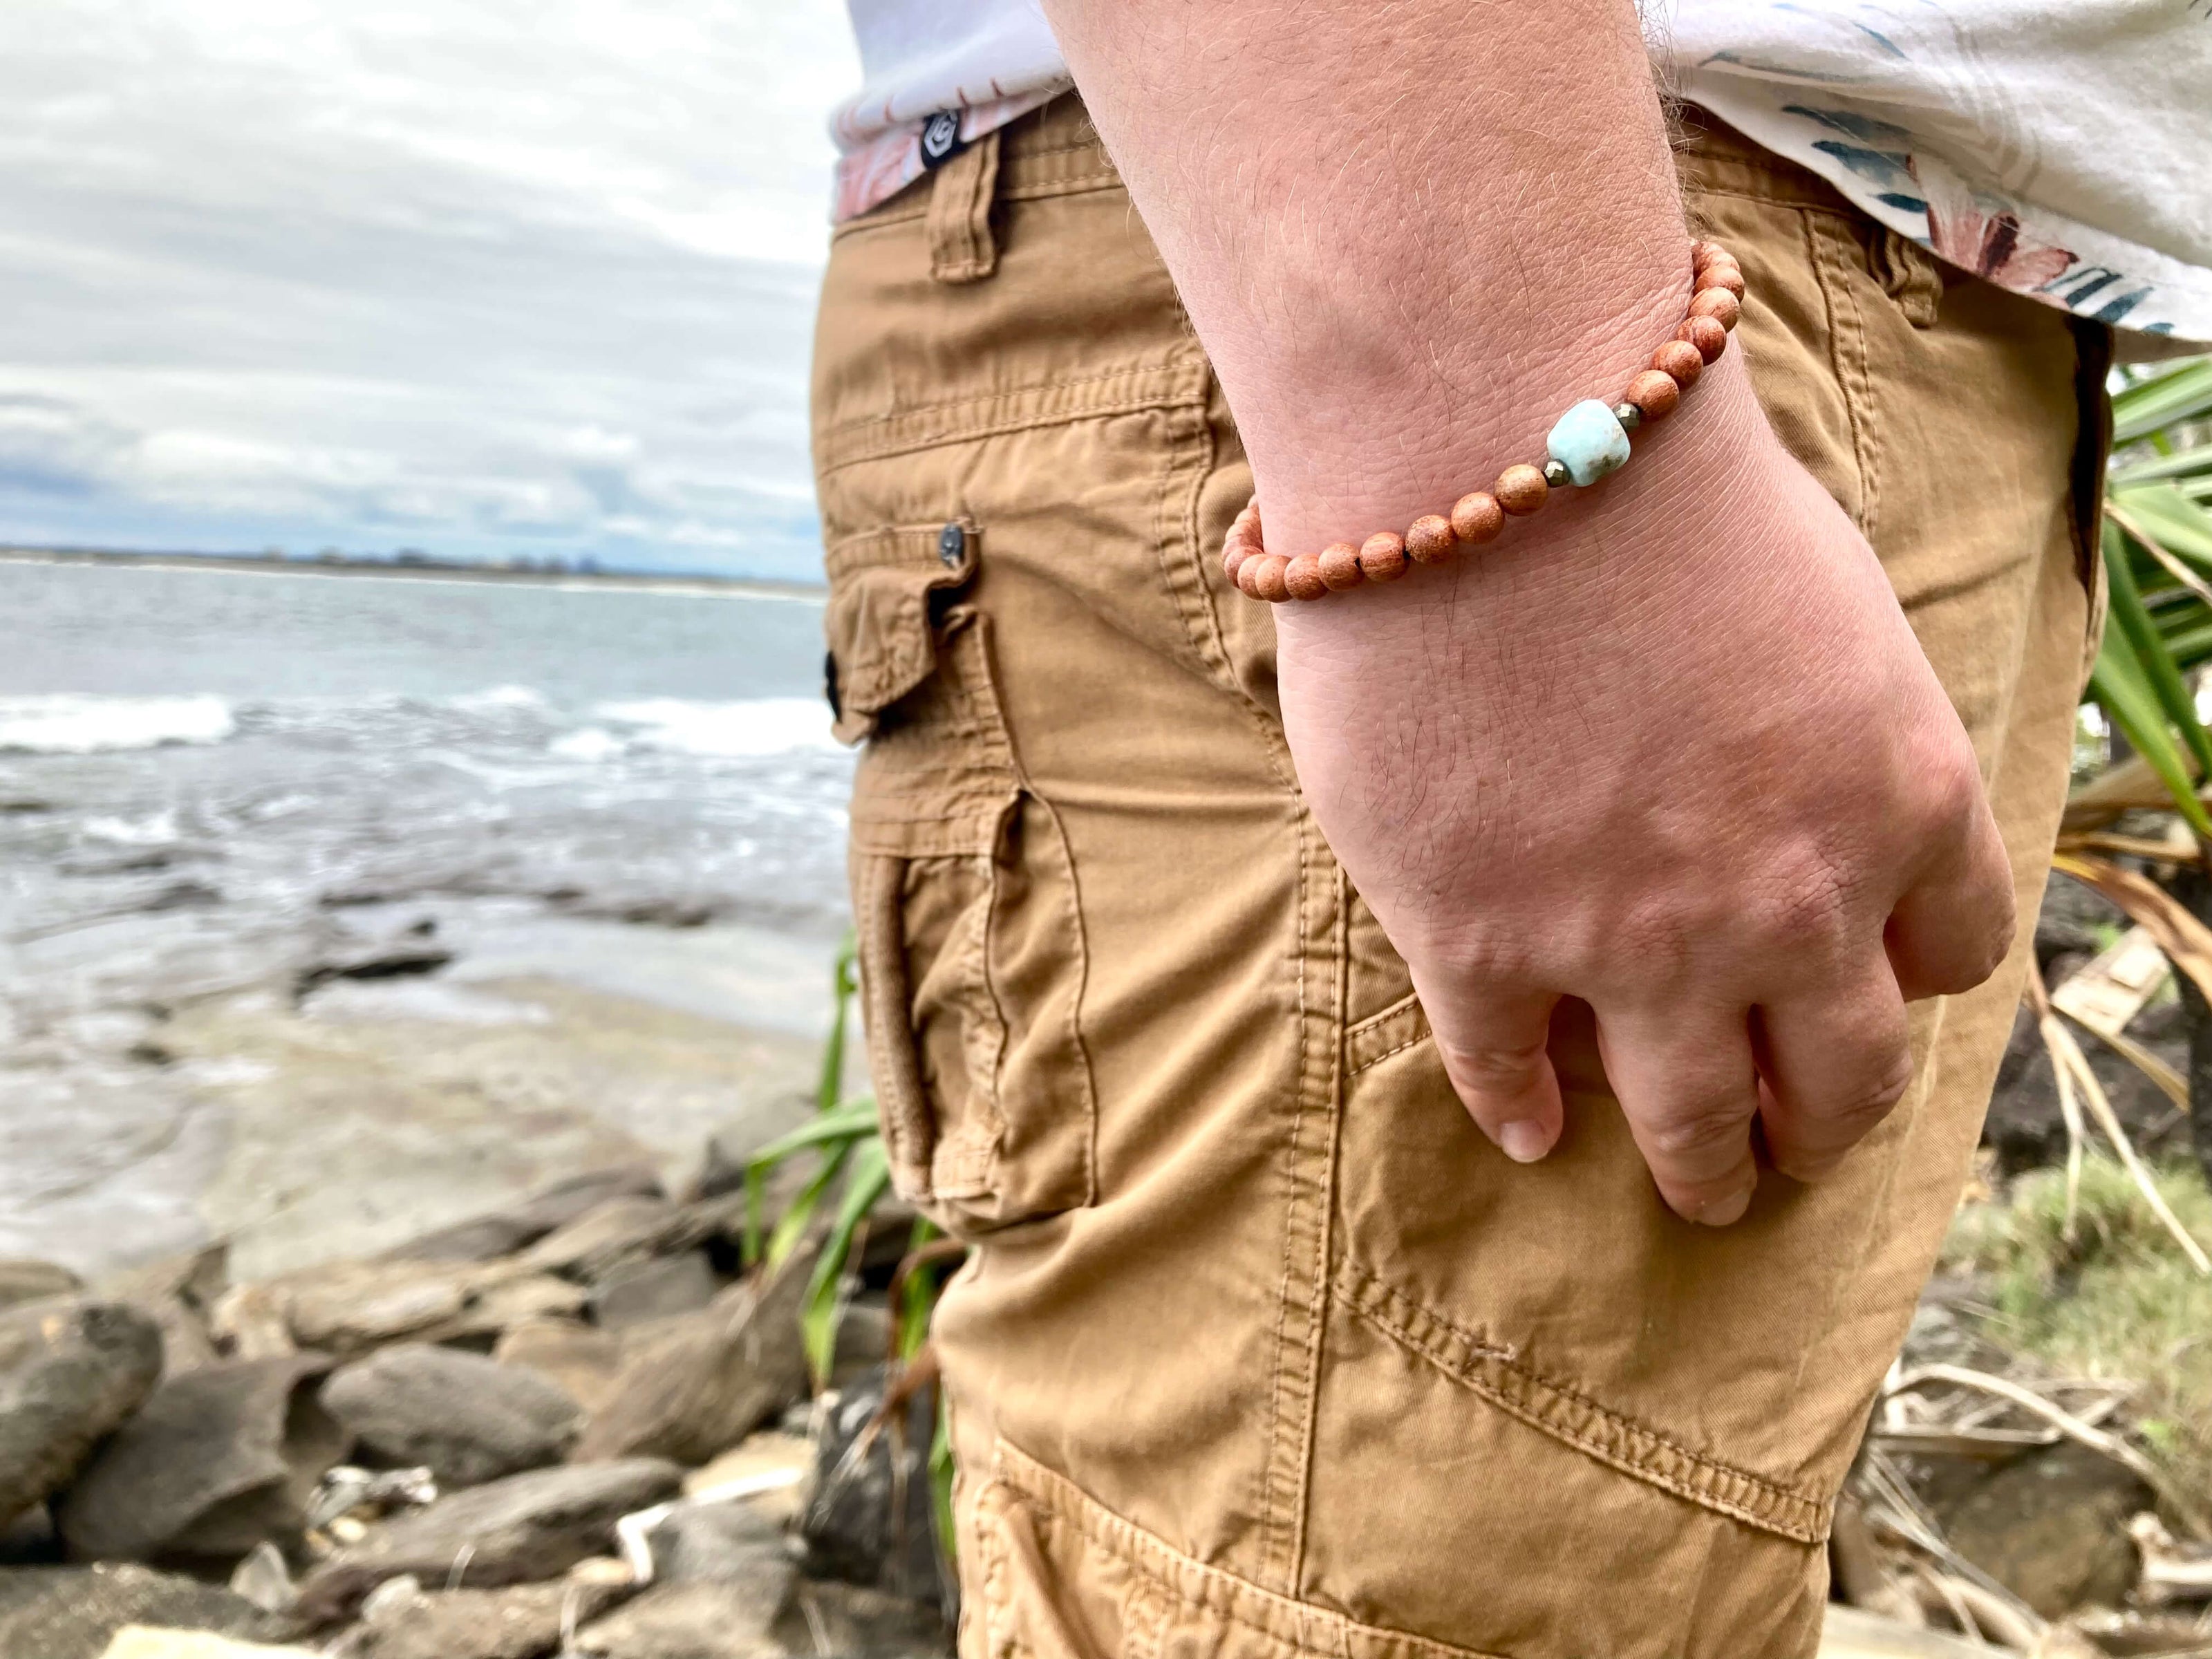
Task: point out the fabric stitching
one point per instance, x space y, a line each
1847 361
1051 1495
1751 1498
871 438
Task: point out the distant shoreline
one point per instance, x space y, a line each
705 587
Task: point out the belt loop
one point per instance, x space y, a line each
961 246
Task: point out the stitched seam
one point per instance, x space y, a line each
1749 1498
1376 1059
1826 210
1847 360
1270 1476
871 438
905 411
1044 1492
1086 183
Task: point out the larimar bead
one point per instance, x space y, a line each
1588 441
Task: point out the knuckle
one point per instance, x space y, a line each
1856 1113
1692 1131
1493 1067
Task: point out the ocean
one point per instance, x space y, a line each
220 786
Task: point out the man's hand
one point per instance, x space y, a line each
1669 746
1671 749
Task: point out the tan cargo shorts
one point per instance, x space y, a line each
1263 1350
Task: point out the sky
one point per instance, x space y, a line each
482 279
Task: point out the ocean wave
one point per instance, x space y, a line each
75 724
757 727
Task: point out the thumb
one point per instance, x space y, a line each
1492 1046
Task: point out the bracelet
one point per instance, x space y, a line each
1588 441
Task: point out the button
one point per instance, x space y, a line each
951 544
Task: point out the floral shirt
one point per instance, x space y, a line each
2061 150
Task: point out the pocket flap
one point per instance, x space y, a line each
881 642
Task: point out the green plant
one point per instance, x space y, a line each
845 1137
2157 543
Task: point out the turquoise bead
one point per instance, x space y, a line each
1590 441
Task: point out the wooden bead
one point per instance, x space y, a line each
1476 517
1717 303
1521 491
1708 335
1267 583
1655 393
1382 556
1708 253
1680 361
1302 577
1243 543
1429 540
1340 566
1232 559
1724 277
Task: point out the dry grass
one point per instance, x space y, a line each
2117 1301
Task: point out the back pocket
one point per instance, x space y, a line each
970 943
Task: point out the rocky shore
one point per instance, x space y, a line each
573 1424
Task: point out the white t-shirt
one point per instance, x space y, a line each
2059 147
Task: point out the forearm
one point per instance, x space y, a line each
1409 235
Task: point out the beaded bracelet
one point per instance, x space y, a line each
1590 441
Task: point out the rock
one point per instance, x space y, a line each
71 1369
143 1642
522 1621
2051 1527
522 1527
700 1620
583 1362
467 1419
30 1540
73 1613
263 1579
611 1232
732 1147
348 1493
346 1308
34 1281
871 1518
638 1293
727 1543
180 1294
502 1232
767 1456
248 1321
864 1342
219 1459
706 1382
374 959
828 1617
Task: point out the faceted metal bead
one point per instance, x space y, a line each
1556 473
1629 415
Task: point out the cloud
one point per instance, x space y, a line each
480 277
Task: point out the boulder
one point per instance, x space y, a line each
659 1287
73 1613
71 1369
522 1621
725 1543
219 1459
618 1231
465 1418
180 1294
522 1527
348 1308
265 1579
34 1281
2051 1528
704 1619
702 1383
871 1517
828 1617
583 1362
503 1231
729 1149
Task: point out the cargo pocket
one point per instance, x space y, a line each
970 943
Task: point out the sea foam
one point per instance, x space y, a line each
74 724
755 727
